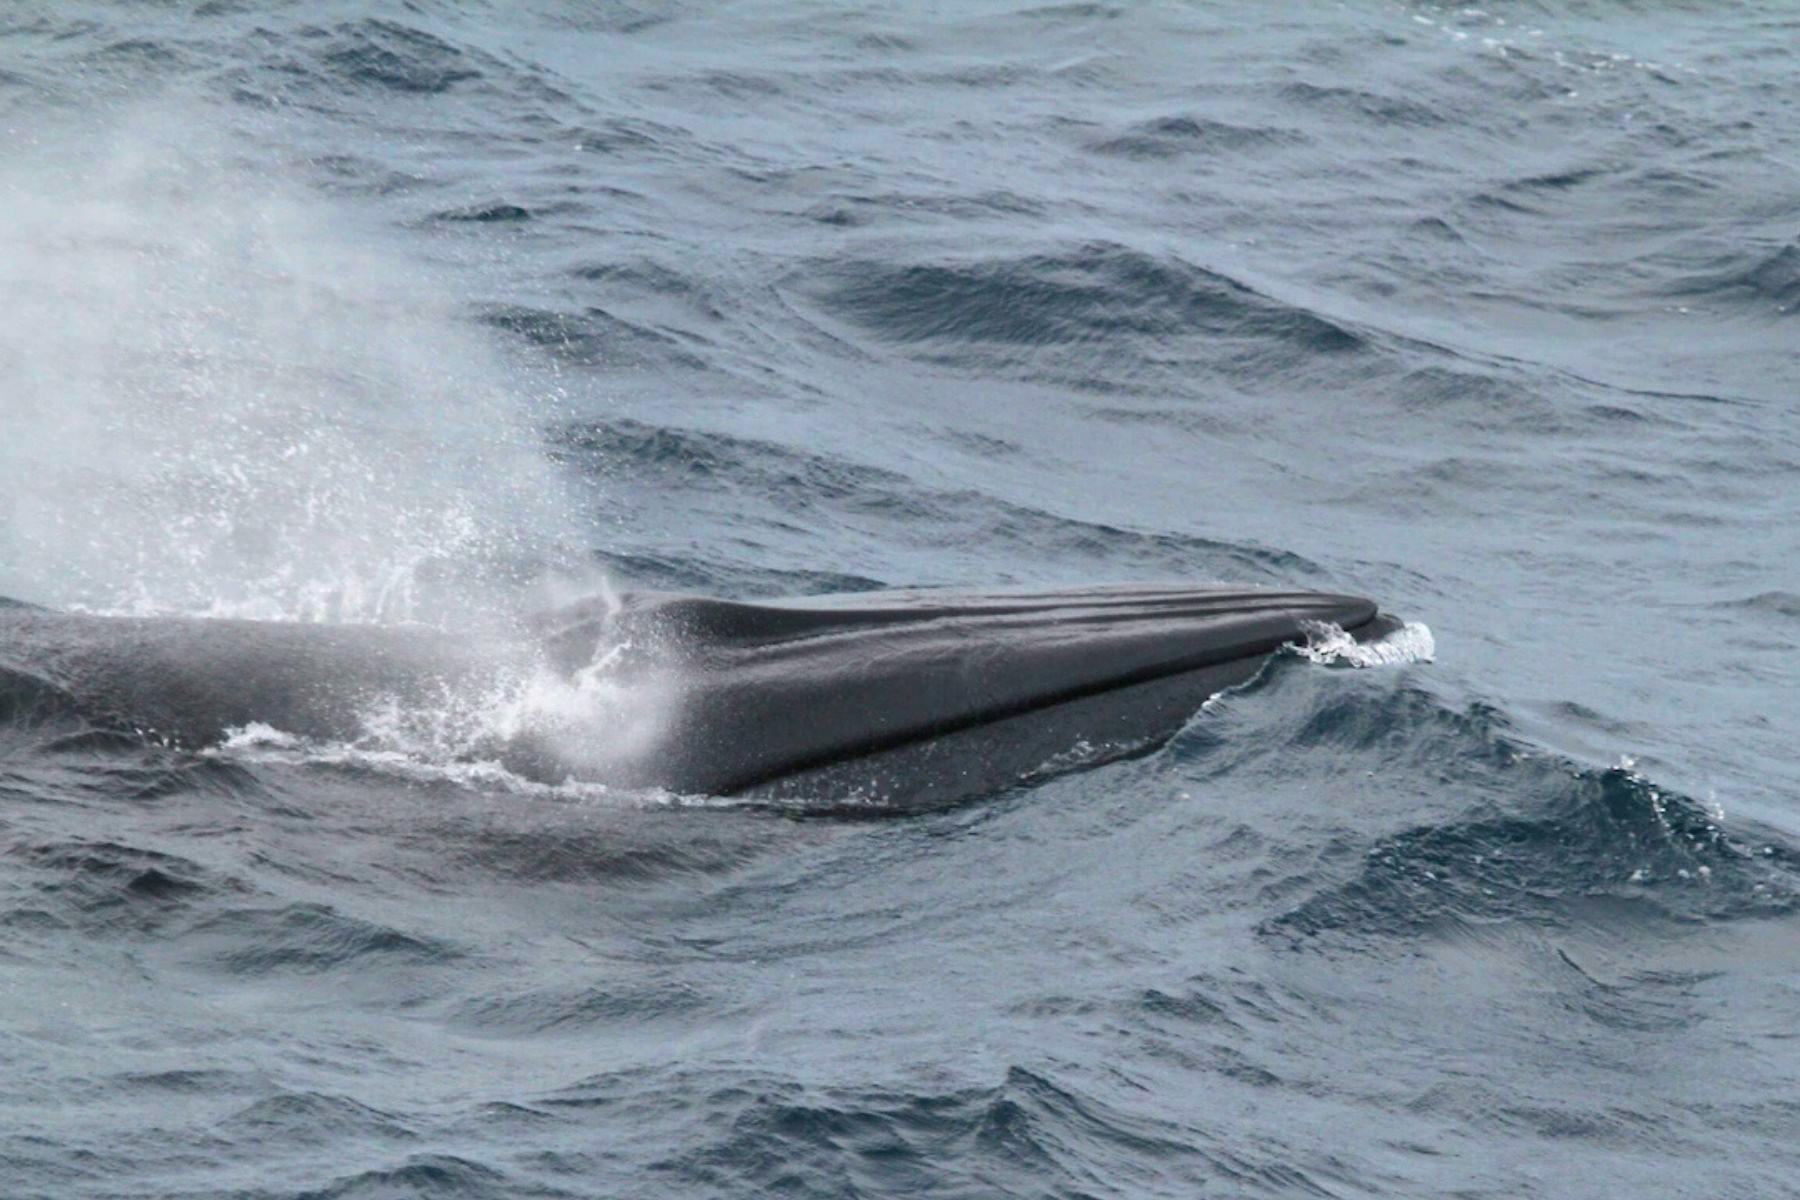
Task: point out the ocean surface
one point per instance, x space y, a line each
398 311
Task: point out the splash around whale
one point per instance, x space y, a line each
906 699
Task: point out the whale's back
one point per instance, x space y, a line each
903 697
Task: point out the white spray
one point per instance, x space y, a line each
220 398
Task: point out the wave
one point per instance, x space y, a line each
213 919
694 572
102 885
1767 279
594 338
312 1118
304 938
1034 1130
573 1007
1516 834
494 211
1780 604
853 209
324 64
1608 839
1361 104
821 491
1163 138
417 1175
29 699
1099 293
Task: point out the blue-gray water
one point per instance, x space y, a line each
1489 313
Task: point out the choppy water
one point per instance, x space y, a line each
336 310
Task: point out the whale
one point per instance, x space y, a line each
894 701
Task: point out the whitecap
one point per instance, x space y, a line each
1329 645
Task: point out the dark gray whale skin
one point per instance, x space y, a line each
891 701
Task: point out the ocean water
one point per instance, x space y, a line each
401 311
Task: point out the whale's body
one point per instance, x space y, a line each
905 698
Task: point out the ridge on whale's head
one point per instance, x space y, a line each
765 691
